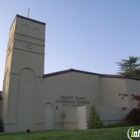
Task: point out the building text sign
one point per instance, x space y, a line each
72 101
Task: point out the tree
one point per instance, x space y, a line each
133 117
130 68
133 97
95 121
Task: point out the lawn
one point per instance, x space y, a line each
91 134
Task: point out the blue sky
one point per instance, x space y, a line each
88 35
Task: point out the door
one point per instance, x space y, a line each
48 116
82 117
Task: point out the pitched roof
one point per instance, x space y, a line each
112 76
0 95
85 72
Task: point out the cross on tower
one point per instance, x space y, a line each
28 12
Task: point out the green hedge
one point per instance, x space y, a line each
119 124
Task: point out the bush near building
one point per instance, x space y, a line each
95 119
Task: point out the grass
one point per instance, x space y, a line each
118 133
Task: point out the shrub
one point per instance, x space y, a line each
1 126
95 119
119 124
134 116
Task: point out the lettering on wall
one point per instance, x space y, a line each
72 101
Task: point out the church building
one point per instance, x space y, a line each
61 100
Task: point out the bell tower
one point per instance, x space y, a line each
23 69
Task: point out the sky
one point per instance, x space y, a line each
88 35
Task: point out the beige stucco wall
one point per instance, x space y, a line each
111 114
29 43
113 109
7 71
133 87
111 88
23 69
71 84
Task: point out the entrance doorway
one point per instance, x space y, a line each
48 116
